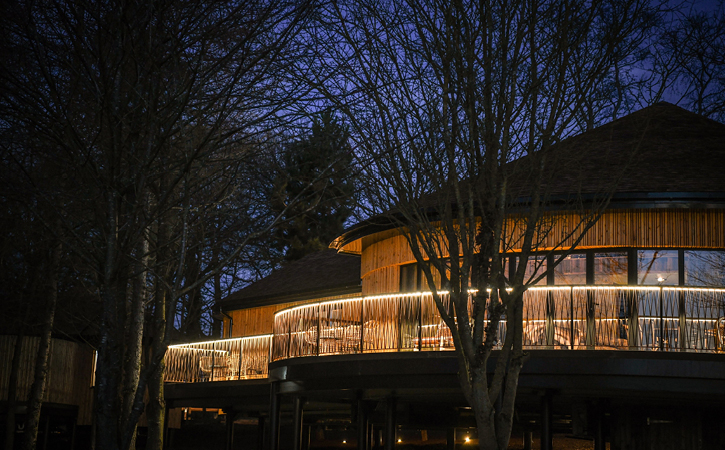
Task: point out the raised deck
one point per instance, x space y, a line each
662 319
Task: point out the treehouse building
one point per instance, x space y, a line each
626 337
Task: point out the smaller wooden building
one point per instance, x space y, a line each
67 412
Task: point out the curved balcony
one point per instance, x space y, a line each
662 319
566 318
226 359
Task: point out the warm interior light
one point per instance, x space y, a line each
467 439
344 442
660 279
399 440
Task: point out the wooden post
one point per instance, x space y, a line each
319 319
299 403
274 411
550 313
546 432
682 321
260 432
231 415
599 442
390 423
528 440
591 320
362 325
633 320
362 424
571 318
450 438
662 322
420 322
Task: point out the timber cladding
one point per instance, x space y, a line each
69 375
654 228
260 320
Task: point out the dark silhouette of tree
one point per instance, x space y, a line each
136 105
315 187
441 97
686 63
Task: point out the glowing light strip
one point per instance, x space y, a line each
473 291
243 338
370 297
609 319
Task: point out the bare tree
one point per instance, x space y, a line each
128 101
459 109
686 62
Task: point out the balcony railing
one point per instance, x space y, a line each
574 318
579 317
227 359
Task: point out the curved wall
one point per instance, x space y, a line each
382 254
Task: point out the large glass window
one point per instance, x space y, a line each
611 268
535 267
571 270
704 268
657 267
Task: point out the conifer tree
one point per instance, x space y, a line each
316 177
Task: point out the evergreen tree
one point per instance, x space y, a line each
316 178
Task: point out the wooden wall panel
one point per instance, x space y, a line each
69 377
392 251
383 280
657 228
259 320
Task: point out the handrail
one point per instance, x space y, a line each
643 318
646 318
225 359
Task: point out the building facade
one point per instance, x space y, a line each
626 336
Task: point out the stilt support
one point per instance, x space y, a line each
298 418
231 415
390 423
274 416
546 432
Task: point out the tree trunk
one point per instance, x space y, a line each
110 363
156 407
157 404
12 393
134 337
483 410
37 390
156 411
216 325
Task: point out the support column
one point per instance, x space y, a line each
362 425
260 432
299 402
390 423
599 442
546 432
450 438
274 416
528 440
231 415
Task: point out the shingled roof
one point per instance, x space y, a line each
659 149
656 157
319 274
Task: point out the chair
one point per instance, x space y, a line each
232 367
213 367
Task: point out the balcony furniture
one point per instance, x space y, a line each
720 331
213 367
254 365
342 336
232 367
